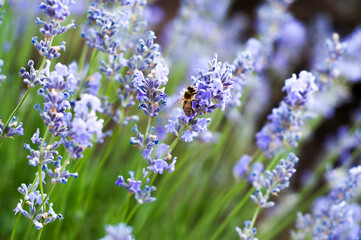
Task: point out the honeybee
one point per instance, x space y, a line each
188 98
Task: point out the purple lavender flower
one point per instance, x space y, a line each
109 29
200 27
134 186
159 166
285 122
13 128
59 175
334 216
213 87
331 91
92 84
178 120
32 199
48 152
160 163
150 95
327 70
30 78
241 167
112 69
55 91
274 181
348 65
84 126
255 173
247 233
242 66
58 9
119 231
146 61
213 91
147 54
53 28
45 49
137 141
299 90
336 49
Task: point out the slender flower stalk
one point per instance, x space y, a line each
58 11
273 182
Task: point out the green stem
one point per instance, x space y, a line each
254 217
148 127
173 144
3 6
39 234
50 192
232 214
126 209
139 168
116 216
100 166
280 222
83 57
91 65
131 213
16 110
15 227
46 198
171 147
215 210
39 165
23 99
28 230
274 161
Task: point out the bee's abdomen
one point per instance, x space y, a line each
187 111
187 108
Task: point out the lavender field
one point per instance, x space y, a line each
184 119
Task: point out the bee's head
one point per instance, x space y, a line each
191 89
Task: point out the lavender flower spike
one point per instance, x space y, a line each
247 233
13 128
337 215
299 90
30 78
134 186
33 199
150 95
274 181
119 231
284 123
58 10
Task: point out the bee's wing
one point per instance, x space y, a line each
174 100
